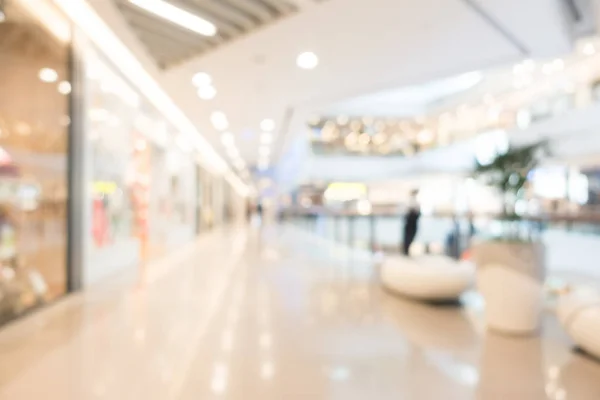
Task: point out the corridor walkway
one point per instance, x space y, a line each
275 315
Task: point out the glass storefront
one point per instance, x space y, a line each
144 191
173 208
115 153
34 144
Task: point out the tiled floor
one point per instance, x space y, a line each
276 316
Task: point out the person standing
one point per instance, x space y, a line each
411 223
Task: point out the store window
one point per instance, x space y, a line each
34 125
111 107
143 185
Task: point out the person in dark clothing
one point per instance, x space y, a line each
411 224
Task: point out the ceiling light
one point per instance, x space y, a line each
64 87
364 139
517 69
307 60
219 120
227 139
266 138
547 69
351 139
239 164
589 49
343 120
264 151
184 144
267 125
48 75
447 115
233 152
85 18
379 138
558 64
314 120
528 65
202 79
425 136
263 165
522 82
177 16
207 92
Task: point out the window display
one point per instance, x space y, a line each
34 123
132 151
111 137
173 198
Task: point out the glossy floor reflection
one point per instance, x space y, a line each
280 315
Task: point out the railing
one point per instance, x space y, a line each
439 232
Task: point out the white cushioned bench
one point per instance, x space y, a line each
427 278
579 314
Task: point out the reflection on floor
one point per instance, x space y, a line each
276 315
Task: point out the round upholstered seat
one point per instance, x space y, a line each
427 278
579 314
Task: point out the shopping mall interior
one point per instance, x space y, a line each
299 199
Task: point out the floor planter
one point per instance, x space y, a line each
510 277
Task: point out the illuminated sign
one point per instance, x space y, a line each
105 187
345 191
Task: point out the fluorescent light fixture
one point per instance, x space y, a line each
239 164
589 49
219 121
85 18
177 16
48 75
207 92
202 79
307 60
183 144
263 165
264 151
267 125
50 17
227 139
232 152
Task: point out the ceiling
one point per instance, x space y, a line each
170 44
405 101
363 47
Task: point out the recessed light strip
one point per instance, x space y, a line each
177 16
84 16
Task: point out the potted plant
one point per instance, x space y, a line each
510 266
